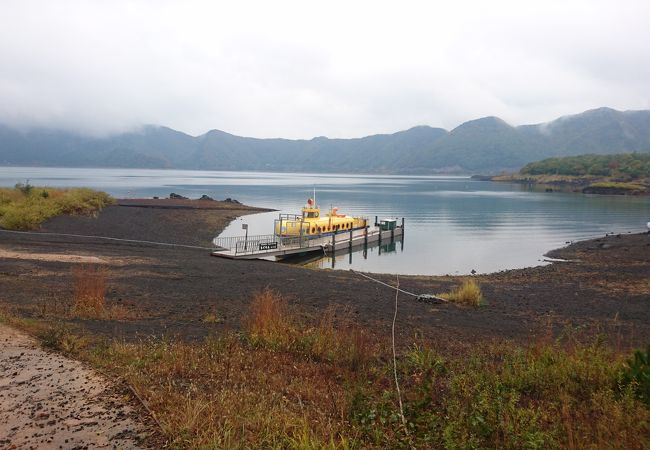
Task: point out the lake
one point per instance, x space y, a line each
453 225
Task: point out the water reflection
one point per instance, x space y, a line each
345 258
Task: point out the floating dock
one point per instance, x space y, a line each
264 246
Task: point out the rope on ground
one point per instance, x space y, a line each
399 393
144 404
419 297
107 239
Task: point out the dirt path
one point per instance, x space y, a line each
49 401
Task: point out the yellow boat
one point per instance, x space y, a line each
312 224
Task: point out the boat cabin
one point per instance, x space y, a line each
311 223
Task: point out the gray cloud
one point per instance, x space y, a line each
297 69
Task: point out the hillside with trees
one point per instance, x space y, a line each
626 173
487 145
625 165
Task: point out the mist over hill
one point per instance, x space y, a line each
483 145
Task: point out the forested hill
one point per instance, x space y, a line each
625 165
485 145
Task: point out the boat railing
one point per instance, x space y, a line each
291 217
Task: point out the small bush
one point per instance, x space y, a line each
637 375
60 338
469 293
25 188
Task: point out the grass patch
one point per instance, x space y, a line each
25 207
62 338
273 325
212 317
469 293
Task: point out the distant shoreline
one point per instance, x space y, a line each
585 185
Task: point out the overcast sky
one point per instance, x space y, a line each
302 69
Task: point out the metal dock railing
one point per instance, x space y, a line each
259 246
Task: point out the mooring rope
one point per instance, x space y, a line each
398 289
168 244
385 284
399 393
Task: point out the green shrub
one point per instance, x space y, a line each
25 188
637 375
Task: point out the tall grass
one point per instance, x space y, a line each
469 293
25 207
89 298
268 321
272 324
89 295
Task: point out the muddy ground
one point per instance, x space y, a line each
186 293
49 401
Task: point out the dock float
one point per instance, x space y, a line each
264 246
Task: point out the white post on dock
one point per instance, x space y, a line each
245 227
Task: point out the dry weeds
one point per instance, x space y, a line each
89 295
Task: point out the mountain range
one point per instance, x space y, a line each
484 145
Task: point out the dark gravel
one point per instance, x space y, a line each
605 290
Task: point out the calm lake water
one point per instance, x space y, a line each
453 225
